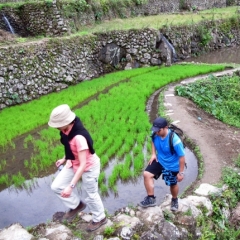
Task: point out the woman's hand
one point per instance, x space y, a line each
60 162
66 192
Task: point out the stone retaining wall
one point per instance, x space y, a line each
203 4
28 71
37 19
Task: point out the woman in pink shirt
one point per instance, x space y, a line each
80 161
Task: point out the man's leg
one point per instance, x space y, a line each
170 179
149 182
152 171
174 190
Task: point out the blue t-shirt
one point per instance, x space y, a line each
168 160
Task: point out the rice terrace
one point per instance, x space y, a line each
113 107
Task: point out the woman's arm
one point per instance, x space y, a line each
82 156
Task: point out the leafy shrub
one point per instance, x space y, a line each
204 34
217 96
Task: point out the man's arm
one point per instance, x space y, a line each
153 156
180 175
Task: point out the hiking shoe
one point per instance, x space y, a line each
148 202
92 226
70 215
174 204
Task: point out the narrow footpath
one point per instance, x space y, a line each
219 143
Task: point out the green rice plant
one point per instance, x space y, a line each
141 137
114 176
101 178
27 139
12 144
34 168
111 151
121 151
103 189
137 150
18 180
114 189
4 179
104 161
126 172
138 164
26 163
3 164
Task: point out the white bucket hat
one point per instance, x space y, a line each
61 116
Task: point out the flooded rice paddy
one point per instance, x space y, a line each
38 205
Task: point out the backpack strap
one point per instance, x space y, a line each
171 141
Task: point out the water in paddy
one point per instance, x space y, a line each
227 55
38 205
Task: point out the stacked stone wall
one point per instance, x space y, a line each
203 4
36 19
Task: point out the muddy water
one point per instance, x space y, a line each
38 205
228 55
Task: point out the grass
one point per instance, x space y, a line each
161 20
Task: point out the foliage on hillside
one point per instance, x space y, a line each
217 96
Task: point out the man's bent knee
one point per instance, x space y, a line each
147 174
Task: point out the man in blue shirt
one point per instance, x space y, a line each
164 162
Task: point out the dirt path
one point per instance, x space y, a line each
219 143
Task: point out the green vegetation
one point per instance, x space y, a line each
217 96
162 20
116 119
217 226
108 231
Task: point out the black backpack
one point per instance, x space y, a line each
179 132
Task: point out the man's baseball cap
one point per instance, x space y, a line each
158 124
